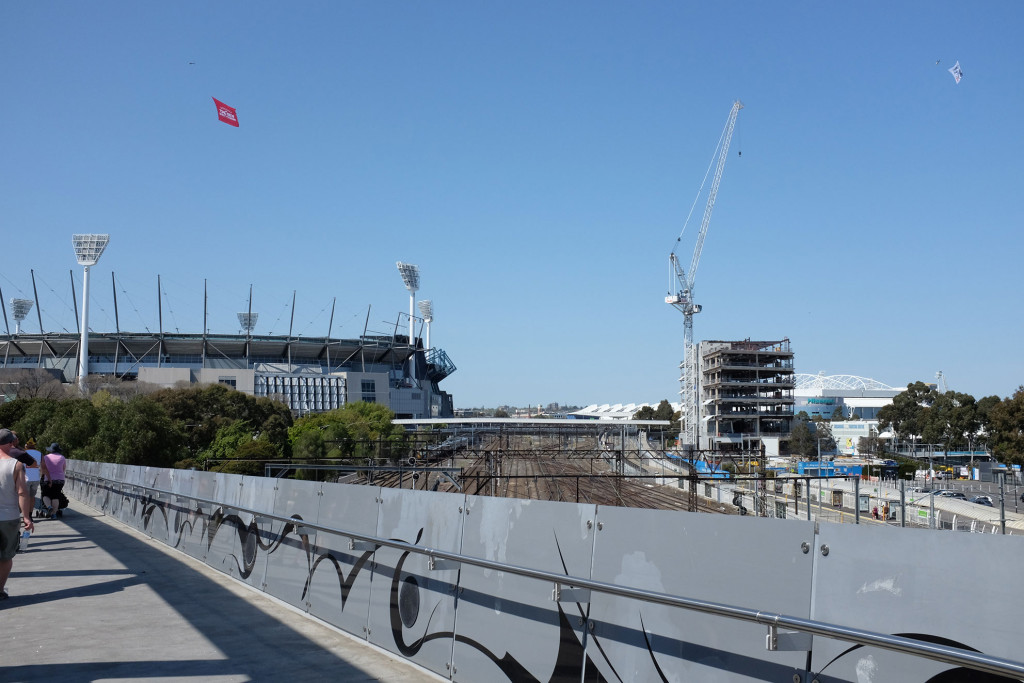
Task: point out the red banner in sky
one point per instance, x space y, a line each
226 114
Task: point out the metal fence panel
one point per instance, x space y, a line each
288 545
340 569
508 624
924 584
248 561
412 609
756 563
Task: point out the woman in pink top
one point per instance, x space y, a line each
52 468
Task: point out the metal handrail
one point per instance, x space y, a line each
941 653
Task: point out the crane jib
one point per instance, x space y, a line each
682 297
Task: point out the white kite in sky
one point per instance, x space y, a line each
957 72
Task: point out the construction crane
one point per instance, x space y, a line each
681 293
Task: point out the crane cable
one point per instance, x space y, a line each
700 191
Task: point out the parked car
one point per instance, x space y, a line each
982 500
953 494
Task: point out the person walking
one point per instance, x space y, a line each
32 474
15 505
30 459
52 468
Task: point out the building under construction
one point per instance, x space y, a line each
746 394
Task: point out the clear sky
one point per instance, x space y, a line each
537 161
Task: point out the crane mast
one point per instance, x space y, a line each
681 298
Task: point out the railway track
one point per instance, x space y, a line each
539 467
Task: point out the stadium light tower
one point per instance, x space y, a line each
248 321
411 277
427 311
21 307
88 249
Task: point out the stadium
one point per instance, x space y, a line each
309 374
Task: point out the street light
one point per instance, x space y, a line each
88 249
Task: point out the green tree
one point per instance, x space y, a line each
801 439
664 411
357 430
906 415
645 413
134 432
823 432
249 458
985 405
203 411
951 420
1006 422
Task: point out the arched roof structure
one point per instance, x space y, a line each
823 382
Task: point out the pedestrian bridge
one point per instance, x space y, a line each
474 588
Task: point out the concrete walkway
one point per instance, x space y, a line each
94 600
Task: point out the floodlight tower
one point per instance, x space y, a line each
21 308
88 249
427 311
248 322
411 277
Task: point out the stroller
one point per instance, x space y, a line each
46 491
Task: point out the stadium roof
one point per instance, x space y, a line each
145 347
821 381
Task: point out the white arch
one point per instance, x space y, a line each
821 381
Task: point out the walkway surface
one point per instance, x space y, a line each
94 600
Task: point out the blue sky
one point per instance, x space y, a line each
537 161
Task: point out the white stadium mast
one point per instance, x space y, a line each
681 296
411 277
88 249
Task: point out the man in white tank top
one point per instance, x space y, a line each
15 503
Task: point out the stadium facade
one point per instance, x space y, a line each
854 397
309 374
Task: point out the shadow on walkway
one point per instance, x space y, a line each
94 600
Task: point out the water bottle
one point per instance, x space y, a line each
25 535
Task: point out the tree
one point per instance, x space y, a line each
801 439
823 434
870 444
951 420
1006 421
36 383
204 410
985 406
352 431
664 411
905 416
134 432
645 413
237 442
